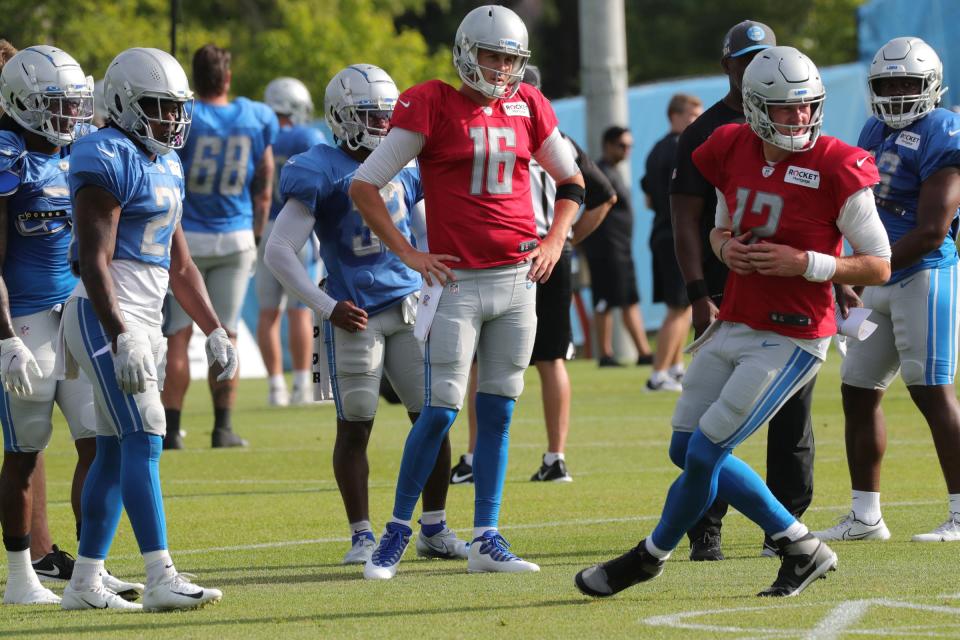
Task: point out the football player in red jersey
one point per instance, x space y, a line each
474 145
787 198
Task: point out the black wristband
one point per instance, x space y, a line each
697 289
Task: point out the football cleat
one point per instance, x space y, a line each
444 545
99 598
770 549
175 592
490 553
613 576
225 438
666 383
706 548
383 564
802 562
849 528
129 591
362 546
56 566
462 472
278 397
301 396
949 531
34 593
556 472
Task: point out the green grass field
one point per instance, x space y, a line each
266 525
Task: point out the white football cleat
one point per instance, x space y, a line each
278 397
177 592
849 528
385 560
490 553
127 590
29 594
99 598
302 396
363 546
444 545
949 531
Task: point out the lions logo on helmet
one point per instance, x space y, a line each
45 91
906 58
494 28
358 105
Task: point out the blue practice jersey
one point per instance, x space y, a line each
225 145
291 140
905 158
360 267
150 193
36 270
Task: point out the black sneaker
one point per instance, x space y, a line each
223 438
770 548
644 359
608 361
173 440
56 566
462 472
556 472
706 548
801 563
613 576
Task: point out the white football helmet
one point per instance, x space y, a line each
358 105
498 29
136 83
45 91
289 97
783 76
906 58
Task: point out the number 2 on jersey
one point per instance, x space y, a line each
152 245
492 160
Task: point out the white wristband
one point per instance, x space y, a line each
820 267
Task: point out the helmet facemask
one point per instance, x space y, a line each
799 137
900 111
466 58
364 125
148 112
56 115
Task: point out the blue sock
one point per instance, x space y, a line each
100 503
433 529
142 496
740 486
691 493
419 457
490 457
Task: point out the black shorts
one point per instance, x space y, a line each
668 284
613 280
554 335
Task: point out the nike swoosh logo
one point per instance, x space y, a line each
459 478
109 154
195 596
854 536
769 344
168 566
953 133
55 573
906 282
407 104
802 569
91 605
860 162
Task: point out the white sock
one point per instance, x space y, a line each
866 506
468 458
433 517
86 574
360 526
159 565
656 551
955 503
676 370
20 569
301 379
550 457
277 382
479 531
658 376
794 532
405 523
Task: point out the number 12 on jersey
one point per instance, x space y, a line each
494 158
762 203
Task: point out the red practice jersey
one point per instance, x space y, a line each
475 170
794 202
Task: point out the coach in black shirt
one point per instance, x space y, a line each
693 202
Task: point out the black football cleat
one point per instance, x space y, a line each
802 562
613 576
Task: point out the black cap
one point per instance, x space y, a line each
531 75
746 37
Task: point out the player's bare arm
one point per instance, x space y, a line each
370 204
771 259
685 217
261 190
732 250
936 206
6 323
590 220
546 255
188 287
96 214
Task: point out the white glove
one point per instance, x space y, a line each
133 362
162 364
16 365
220 349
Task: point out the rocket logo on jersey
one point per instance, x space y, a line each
516 109
802 177
909 140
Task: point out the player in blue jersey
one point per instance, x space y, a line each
228 166
127 192
917 148
370 297
290 100
46 110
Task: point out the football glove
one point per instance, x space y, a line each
16 365
220 349
133 362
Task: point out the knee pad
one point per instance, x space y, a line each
678 447
510 386
358 405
